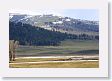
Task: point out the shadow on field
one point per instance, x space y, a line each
86 52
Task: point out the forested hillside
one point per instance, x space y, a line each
30 35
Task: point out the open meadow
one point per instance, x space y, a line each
69 54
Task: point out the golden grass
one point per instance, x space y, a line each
72 64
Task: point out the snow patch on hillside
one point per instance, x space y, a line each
67 20
58 22
10 16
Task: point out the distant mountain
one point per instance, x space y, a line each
58 23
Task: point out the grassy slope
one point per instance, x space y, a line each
68 47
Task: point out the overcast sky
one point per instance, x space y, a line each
86 14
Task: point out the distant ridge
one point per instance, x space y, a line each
58 23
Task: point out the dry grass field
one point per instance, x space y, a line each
58 62
78 64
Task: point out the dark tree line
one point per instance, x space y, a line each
30 35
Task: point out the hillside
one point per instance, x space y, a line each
58 23
27 34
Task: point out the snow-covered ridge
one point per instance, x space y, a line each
51 15
53 22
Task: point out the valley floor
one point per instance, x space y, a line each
70 54
56 62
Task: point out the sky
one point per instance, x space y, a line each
83 14
86 14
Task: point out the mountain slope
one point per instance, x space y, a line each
30 35
58 23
